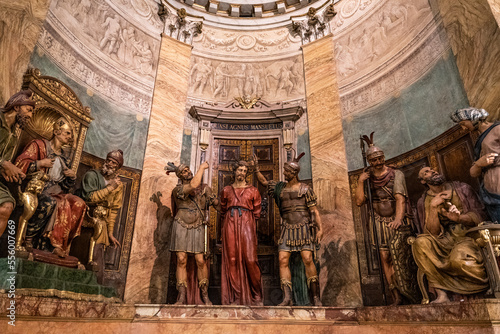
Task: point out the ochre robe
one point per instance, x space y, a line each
451 260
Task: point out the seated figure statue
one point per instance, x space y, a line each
59 215
451 261
103 189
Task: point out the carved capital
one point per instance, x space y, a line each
178 24
314 24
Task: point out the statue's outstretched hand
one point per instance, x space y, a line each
452 213
440 198
115 182
45 163
395 224
254 161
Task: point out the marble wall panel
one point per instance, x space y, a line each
20 25
475 39
273 81
164 144
45 315
339 276
255 327
495 9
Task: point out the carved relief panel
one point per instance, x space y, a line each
214 80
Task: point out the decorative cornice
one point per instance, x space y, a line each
234 113
247 9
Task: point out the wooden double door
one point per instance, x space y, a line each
225 153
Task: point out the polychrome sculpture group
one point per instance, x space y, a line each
55 215
451 261
240 206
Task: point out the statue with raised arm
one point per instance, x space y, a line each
190 201
486 164
241 279
301 227
15 114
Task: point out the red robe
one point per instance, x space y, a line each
241 282
70 208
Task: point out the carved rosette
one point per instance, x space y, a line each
180 25
314 24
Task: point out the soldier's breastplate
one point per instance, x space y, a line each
294 209
187 212
383 203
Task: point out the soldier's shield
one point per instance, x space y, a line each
405 268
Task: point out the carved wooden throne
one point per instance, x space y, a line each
54 99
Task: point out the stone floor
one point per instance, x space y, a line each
54 315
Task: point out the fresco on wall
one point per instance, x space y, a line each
98 44
379 35
246 43
104 31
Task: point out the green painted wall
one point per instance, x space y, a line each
419 114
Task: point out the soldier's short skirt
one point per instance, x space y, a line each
295 238
189 240
5 195
384 233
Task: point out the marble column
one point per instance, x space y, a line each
339 277
21 22
164 144
474 35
